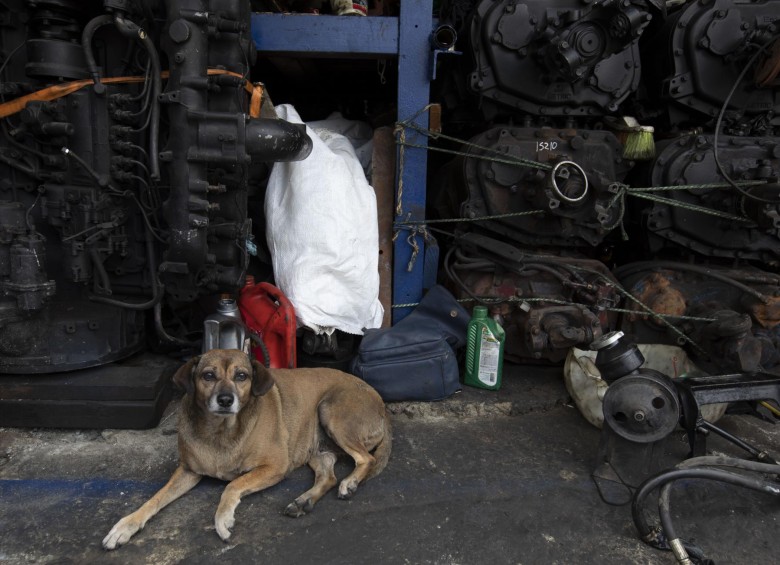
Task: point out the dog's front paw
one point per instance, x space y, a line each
299 507
347 488
122 531
224 522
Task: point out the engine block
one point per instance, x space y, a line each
127 134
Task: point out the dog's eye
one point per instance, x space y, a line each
241 377
209 376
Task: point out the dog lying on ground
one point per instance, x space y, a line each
249 425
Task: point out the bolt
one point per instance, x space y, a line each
639 416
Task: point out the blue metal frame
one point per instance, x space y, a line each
407 37
414 76
325 36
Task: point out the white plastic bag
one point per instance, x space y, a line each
323 235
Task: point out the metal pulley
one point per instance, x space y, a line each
616 357
642 407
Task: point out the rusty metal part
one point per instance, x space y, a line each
767 72
548 304
766 315
658 293
723 327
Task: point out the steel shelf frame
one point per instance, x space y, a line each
407 38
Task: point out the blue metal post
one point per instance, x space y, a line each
414 53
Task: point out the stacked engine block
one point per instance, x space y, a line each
560 88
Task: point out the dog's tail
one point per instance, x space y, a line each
382 450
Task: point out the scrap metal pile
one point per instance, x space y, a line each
584 226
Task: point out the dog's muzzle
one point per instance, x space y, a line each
223 403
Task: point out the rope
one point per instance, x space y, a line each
399 208
688 206
409 224
619 198
513 160
512 299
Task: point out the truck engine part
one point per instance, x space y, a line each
554 187
558 58
547 303
726 319
126 141
642 407
734 224
691 64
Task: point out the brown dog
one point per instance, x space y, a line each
249 425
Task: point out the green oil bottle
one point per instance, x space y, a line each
484 351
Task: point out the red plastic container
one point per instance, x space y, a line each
268 313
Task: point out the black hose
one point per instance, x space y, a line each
753 451
164 335
682 548
132 30
726 461
156 292
546 268
667 538
451 274
258 341
16 164
86 44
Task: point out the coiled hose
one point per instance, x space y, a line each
707 467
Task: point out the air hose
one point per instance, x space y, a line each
708 467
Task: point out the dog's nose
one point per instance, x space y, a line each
225 400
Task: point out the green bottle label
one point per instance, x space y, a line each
488 357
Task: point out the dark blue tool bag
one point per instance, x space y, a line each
415 359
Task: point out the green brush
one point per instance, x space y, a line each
637 140
639 144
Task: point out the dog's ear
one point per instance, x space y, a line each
183 377
262 381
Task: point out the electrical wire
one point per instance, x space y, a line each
104 184
10 56
722 112
28 217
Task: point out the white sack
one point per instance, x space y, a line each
360 135
323 234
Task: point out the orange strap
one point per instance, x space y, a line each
59 90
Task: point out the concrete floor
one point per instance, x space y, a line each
484 477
